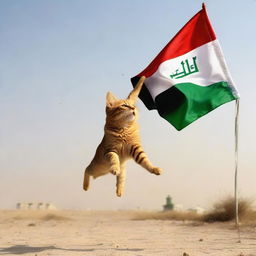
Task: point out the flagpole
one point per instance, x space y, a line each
236 160
236 167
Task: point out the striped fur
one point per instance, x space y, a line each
121 141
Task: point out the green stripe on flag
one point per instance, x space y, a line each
184 103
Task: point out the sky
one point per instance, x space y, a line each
59 58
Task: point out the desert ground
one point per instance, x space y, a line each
112 233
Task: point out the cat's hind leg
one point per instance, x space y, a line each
120 181
140 157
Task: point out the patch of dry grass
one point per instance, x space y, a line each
224 210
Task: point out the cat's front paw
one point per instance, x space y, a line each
156 170
119 192
115 170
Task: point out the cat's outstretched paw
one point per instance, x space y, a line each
85 187
115 170
156 170
119 192
86 181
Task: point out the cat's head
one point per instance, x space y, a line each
123 111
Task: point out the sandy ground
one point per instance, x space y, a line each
105 233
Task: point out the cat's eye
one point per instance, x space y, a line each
125 105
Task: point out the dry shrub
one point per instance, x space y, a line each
168 215
225 211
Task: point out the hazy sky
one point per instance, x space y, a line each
58 58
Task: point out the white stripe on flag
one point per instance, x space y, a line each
210 68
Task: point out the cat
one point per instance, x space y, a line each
121 141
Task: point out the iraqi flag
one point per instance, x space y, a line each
189 77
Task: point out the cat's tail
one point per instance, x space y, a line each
86 180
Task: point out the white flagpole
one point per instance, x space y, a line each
236 165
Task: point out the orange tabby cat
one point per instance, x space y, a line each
121 141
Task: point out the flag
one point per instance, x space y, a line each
189 77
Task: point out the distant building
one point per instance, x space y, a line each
21 206
178 207
50 206
197 209
169 205
35 206
41 206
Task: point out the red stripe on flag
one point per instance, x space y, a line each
196 32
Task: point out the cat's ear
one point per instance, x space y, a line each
110 99
133 96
